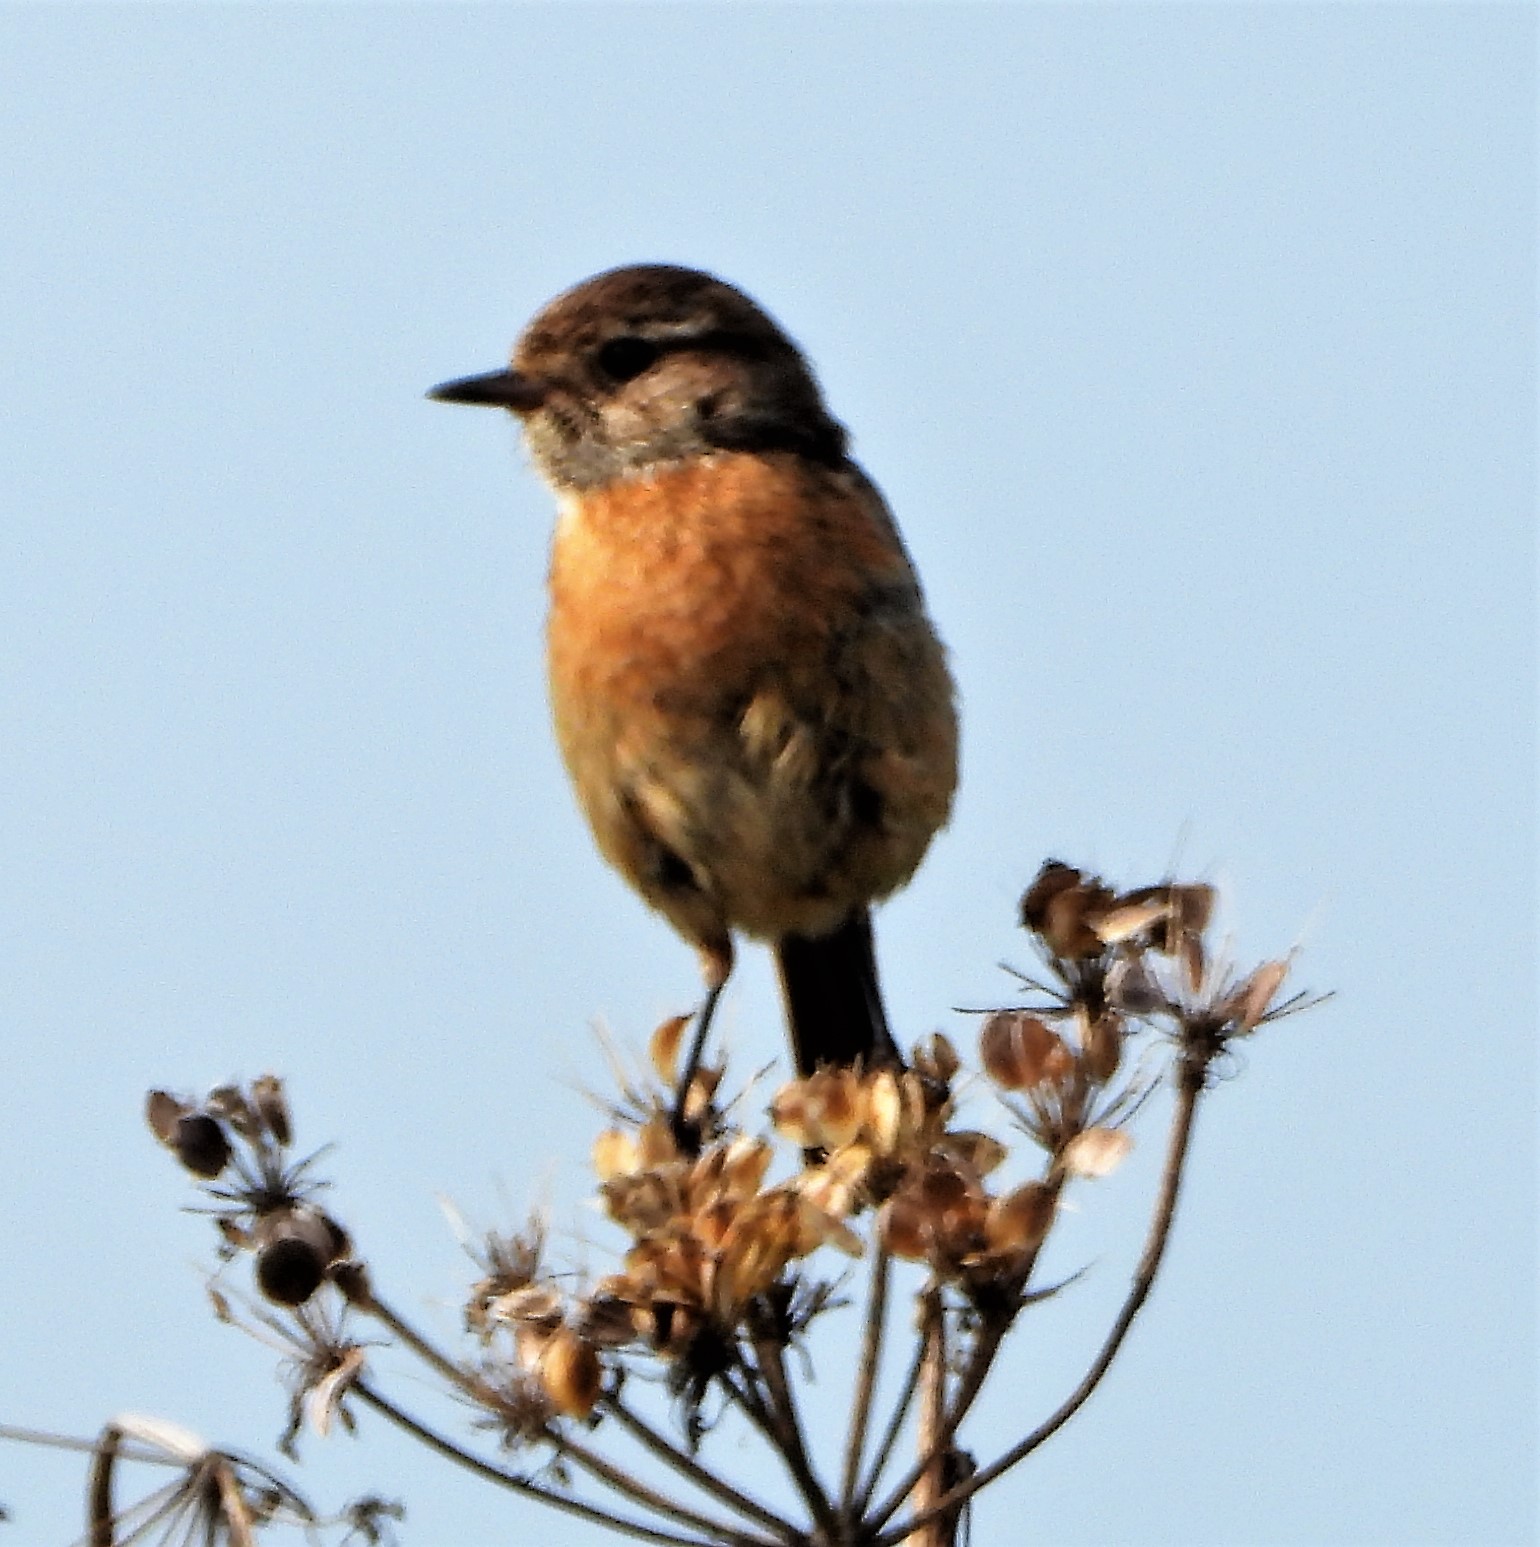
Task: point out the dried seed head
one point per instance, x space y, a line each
663 1047
822 1111
1189 952
1018 1222
1192 906
655 1143
1095 1152
1130 987
615 1154
936 1059
976 1152
272 1108
1101 1046
1248 1003
937 1216
1062 908
162 1111
571 1374
1019 1051
229 1103
294 1250
698 1098
744 1164
201 1144
1053 878
606 1321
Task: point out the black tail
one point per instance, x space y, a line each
833 1004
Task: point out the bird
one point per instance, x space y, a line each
754 708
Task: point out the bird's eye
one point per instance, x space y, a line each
625 358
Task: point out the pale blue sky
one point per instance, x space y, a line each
1194 347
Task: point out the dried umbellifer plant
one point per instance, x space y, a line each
740 1230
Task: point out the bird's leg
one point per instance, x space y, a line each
718 962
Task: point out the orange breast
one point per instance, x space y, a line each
678 588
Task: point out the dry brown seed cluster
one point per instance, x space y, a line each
708 1236
264 1203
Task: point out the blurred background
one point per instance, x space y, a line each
1194 349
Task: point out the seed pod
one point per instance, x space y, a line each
1132 987
272 1107
295 1249
614 1154
1053 878
1248 1003
162 1111
1020 1051
201 1144
936 1059
663 1047
1018 1221
1095 1152
571 1374
1101 1046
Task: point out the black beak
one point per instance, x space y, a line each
496 389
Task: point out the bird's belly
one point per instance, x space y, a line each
712 699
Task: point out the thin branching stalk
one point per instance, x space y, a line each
235 1513
987 1342
639 1493
672 1456
932 1481
1190 1086
866 1378
772 1368
129 1452
592 1513
99 1512
895 1424
981 1357
465 1380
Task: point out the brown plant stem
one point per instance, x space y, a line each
1190 1084
670 1455
890 1433
772 1368
361 1297
932 1481
592 1513
99 1513
640 1494
866 1379
994 1326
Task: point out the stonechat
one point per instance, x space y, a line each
752 704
